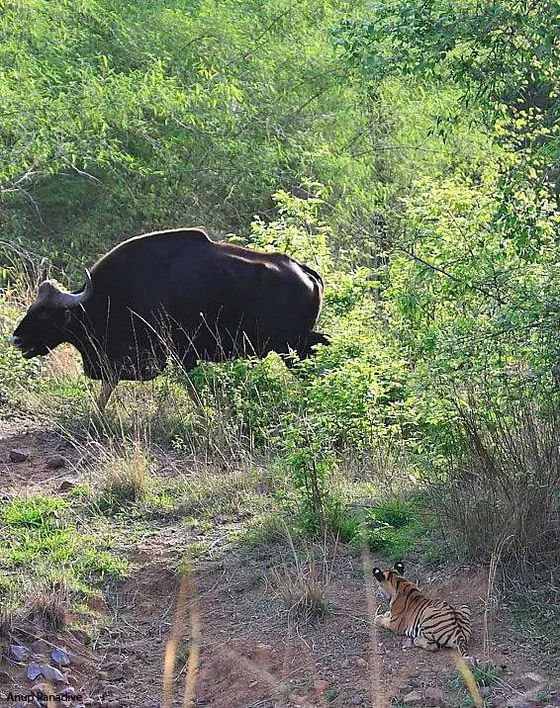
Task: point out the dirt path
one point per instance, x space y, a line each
251 654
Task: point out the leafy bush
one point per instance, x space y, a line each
309 462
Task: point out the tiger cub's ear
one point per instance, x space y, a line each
399 567
378 574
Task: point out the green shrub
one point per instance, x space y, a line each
392 527
309 466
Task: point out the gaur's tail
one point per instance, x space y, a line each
313 338
317 338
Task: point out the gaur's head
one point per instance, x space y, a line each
44 325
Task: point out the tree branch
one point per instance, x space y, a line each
455 279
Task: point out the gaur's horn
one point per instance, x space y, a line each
50 292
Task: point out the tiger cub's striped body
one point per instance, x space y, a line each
429 623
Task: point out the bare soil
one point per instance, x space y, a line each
252 653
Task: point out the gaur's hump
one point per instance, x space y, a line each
193 232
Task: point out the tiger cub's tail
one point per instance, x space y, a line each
469 680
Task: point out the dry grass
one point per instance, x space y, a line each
505 484
8 616
47 607
302 584
124 472
385 466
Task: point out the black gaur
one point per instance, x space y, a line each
176 292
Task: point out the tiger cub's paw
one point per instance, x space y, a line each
426 644
382 620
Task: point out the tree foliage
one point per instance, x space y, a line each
409 150
123 118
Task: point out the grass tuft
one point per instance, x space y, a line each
302 584
47 607
124 476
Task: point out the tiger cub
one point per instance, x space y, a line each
429 623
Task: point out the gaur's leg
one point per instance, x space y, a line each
105 391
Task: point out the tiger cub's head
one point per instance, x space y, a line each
390 579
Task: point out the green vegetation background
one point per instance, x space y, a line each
409 150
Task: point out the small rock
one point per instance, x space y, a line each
356 700
320 686
34 670
66 485
435 696
52 674
114 704
18 652
76 659
60 657
20 454
361 662
414 698
414 682
55 462
114 672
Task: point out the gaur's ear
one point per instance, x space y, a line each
399 567
378 574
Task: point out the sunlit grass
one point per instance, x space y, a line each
43 540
